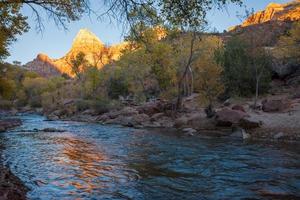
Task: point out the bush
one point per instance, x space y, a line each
117 87
35 102
82 105
100 106
5 104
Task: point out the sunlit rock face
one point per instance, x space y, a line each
268 25
274 12
96 54
43 65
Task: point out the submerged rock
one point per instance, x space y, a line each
52 130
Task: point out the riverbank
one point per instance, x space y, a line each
276 118
11 187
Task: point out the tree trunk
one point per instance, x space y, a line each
182 79
192 81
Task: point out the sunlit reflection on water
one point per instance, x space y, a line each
91 161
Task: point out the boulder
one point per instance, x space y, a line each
157 116
283 68
227 117
181 122
240 133
189 131
280 135
249 123
238 107
149 108
275 105
152 108
140 118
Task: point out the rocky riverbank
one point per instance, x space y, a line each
276 118
11 187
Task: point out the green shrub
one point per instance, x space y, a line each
35 102
100 106
5 104
82 105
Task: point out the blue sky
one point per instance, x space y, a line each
56 42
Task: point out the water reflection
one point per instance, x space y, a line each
85 161
91 161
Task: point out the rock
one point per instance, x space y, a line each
238 107
240 133
297 94
2 129
166 122
52 130
52 117
68 101
157 116
274 12
274 105
127 111
189 131
11 187
149 109
195 121
103 118
228 117
249 123
39 110
9 123
140 118
88 112
152 108
181 122
227 103
245 135
284 68
279 135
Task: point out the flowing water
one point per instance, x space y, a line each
91 161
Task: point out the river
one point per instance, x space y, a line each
91 161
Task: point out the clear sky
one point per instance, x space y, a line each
56 42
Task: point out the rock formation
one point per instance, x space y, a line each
96 53
274 12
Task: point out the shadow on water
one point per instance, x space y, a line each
91 161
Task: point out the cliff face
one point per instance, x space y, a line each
273 13
44 66
96 54
268 25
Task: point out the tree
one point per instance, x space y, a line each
78 63
288 45
13 22
183 15
208 74
245 68
261 61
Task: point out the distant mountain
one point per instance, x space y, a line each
96 53
268 25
